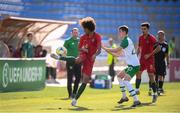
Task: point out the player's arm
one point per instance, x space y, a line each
156 50
138 49
113 51
167 57
115 54
98 50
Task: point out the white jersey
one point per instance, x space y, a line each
129 52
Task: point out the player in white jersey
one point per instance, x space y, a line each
127 48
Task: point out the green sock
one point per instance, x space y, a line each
80 91
70 59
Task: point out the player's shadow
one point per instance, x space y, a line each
62 99
79 108
123 107
146 104
51 108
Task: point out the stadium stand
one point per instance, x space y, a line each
109 14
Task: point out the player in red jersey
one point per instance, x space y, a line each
89 47
146 50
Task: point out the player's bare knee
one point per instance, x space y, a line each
138 75
161 78
127 77
78 60
152 79
121 75
86 78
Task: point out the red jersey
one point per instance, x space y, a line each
146 46
90 43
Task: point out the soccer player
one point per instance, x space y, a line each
146 50
73 70
160 64
89 47
127 48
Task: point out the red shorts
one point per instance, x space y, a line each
147 65
87 64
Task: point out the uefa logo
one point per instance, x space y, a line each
5 79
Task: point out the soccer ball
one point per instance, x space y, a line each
61 51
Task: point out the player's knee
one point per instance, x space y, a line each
119 79
86 78
78 60
121 75
138 75
127 77
161 78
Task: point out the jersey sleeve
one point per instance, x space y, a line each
155 45
124 43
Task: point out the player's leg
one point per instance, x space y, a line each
129 74
162 73
81 89
131 90
156 80
86 73
70 59
138 81
161 81
150 89
85 80
69 78
77 73
120 78
138 77
163 84
154 86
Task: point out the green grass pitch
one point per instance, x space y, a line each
53 100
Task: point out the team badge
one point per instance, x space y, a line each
86 46
163 49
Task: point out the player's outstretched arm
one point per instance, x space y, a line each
156 50
115 54
111 49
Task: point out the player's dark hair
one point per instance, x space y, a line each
124 28
145 24
88 23
29 34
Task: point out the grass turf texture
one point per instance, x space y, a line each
53 99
